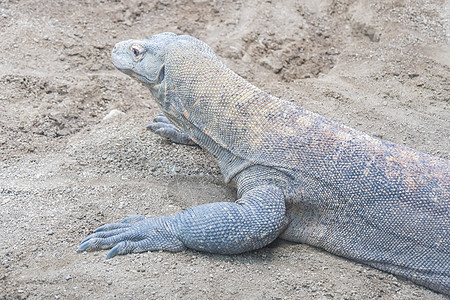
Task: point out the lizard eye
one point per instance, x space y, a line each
137 51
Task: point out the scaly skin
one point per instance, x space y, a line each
299 176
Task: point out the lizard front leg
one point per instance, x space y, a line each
252 222
164 128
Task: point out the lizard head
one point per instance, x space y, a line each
143 59
174 67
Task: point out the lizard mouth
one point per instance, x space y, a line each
120 65
125 70
122 69
129 72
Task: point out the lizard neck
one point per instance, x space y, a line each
222 112
218 109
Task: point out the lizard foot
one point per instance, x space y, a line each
252 222
164 128
132 235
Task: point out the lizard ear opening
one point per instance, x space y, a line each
161 74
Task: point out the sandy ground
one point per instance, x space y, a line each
382 68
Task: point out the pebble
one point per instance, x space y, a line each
272 64
113 113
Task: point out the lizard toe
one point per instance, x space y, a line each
125 247
161 118
161 125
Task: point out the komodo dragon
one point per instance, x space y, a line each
299 176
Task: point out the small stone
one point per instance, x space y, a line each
233 52
68 277
272 64
113 113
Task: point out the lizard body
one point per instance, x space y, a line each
299 176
